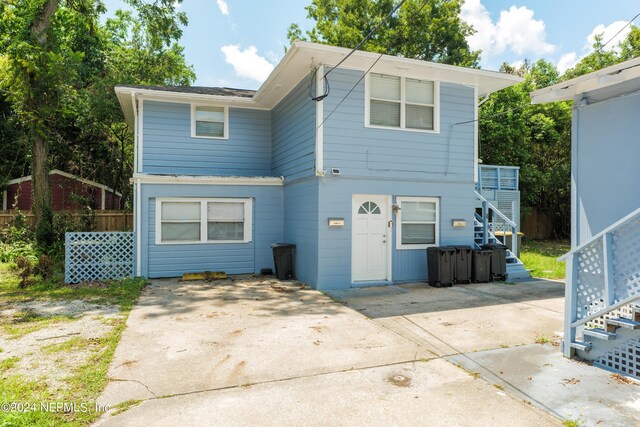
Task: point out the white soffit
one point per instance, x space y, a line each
601 79
303 57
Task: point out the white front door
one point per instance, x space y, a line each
371 240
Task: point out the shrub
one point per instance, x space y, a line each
44 267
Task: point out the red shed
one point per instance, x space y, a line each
63 185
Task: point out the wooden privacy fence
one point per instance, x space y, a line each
98 256
108 220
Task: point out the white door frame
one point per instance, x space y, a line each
386 208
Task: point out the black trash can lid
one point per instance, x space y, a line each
493 246
441 249
483 251
461 247
283 245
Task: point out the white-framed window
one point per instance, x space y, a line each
209 122
417 222
401 103
219 220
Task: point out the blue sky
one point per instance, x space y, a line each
236 43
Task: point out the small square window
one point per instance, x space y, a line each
209 122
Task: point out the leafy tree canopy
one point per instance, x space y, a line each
59 62
420 29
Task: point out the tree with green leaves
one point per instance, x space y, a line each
536 138
58 66
420 29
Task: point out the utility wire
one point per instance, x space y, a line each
351 90
367 37
321 97
363 41
621 29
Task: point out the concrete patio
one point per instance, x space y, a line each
253 350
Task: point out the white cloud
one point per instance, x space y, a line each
566 61
607 33
223 6
570 59
247 63
516 30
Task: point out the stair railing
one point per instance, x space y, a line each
508 223
603 274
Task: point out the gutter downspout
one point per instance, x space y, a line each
136 191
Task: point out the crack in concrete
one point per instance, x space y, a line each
135 381
275 381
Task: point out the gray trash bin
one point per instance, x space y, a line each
440 265
498 260
283 260
462 268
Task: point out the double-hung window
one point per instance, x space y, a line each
209 122
203 221
417 222
402 102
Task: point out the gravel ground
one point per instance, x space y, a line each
80 321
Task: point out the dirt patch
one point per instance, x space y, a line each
50 339
623 380
399 380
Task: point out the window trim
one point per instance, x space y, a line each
248 220
225 109
407 246
403 103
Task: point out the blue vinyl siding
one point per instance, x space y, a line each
235 258
362 151
301 226
605 164
169 149
294 135
334 253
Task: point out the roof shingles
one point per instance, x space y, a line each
201 90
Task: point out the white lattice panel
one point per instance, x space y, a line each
626 260
625 311
590 280
625 358
98 256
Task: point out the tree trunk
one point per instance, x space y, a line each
40 185
40 146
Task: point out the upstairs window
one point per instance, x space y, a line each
400 102
209 122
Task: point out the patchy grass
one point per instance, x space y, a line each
116 292
542 339
541 257
125 406
27 321
66 346
573 423
7 364
87 380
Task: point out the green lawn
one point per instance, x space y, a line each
540 257
88 379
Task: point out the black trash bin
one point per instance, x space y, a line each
440 265
462 264
283 260
498 260
481 265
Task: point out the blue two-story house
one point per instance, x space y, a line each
362 167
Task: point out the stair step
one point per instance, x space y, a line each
580 345
600 334
622 322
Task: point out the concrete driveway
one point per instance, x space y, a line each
263 352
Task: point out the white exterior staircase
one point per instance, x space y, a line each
602 320
484 232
